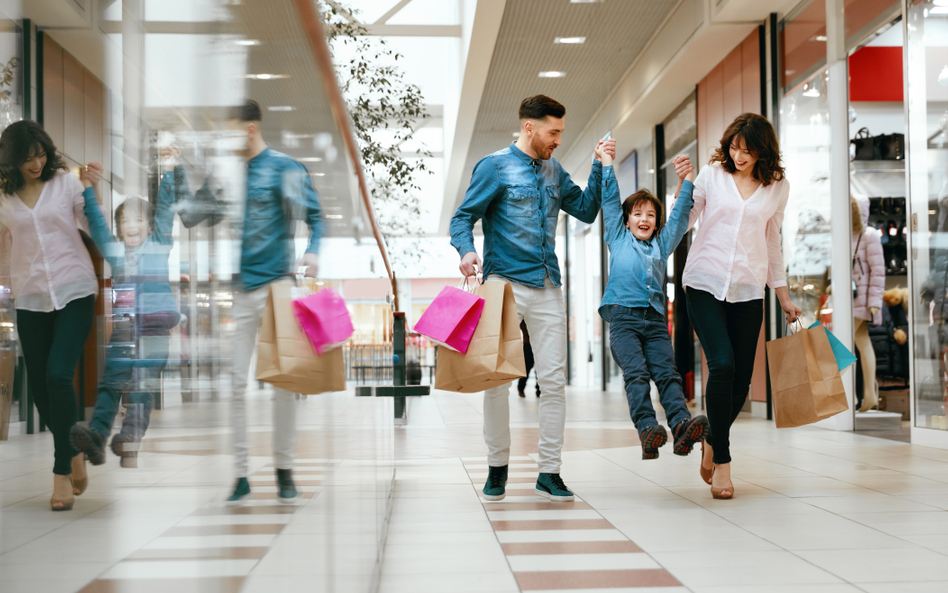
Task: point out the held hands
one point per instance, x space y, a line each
606 152
311 261
168 157
470 264
90 174
684 169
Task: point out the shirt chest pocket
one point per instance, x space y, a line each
553 201
520 202
259 205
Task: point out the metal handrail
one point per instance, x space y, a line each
313 30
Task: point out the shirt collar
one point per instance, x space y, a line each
260 157
523 156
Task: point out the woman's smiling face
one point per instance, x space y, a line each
35 163
743 159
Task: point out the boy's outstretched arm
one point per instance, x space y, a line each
611 202
678 220
111 249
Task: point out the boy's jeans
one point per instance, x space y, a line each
642 346
545 314
136 369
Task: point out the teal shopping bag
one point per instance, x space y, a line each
844 357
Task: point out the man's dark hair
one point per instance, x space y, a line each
539 107
18 142
247 113
135 205
643 196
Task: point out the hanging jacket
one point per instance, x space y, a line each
868 269
891 357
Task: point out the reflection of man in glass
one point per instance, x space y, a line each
279 191
144 312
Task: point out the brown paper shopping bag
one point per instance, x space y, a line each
285 357
495 354
7 370
804 378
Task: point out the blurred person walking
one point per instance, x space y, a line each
741 197
518 193
278 192
139 345
46 264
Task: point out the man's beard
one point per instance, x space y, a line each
541 149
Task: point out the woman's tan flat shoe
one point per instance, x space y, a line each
705 473
79 485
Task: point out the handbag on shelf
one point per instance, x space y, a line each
884 147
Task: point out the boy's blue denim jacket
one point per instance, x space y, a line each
279 192
519 200
636 267
152 288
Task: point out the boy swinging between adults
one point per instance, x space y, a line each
518 192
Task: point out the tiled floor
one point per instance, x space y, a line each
815 511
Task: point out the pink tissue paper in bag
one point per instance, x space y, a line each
324 318
452 318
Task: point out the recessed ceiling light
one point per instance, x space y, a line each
310 159
318 174
570 40
267 76
516 134
247 42
281 108
820 38
552 74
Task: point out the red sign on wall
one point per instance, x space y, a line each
875 74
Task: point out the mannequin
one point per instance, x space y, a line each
869 282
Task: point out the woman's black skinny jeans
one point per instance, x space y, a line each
728 333
52 345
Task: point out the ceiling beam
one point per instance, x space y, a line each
391 12
414 30
484 32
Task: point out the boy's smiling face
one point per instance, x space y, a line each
642 220
135 228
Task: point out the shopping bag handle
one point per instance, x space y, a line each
465 285
795 326
301 279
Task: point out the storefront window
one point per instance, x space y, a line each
927 72
807 238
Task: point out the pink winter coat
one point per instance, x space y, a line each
868 269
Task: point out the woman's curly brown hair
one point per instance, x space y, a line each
759 139
16 143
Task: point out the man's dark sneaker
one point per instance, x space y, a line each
652 438
287 494
85 440
551 486
495 488
690 432
241 493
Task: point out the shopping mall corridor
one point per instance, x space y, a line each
815 510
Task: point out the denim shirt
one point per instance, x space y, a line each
150 279
519 199
636 267
279 191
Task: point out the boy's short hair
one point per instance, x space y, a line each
248 112
539 107
640 197
135 205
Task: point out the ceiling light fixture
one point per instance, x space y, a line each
281 108
570 40
820 38
267 76
318 174
247 42
516 134
311 159
552 74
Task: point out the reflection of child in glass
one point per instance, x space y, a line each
634 306
138 350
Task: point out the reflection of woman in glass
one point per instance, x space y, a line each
742 196
44 261
869 283
138 349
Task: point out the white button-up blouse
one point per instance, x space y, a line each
737 248
42 256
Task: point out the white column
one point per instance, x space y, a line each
840 211
133 48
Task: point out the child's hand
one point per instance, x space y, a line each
683 168
90 174
169 156
606 152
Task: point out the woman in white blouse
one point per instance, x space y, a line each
45 263
742 196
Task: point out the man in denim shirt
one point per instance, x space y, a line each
518 193
279 192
